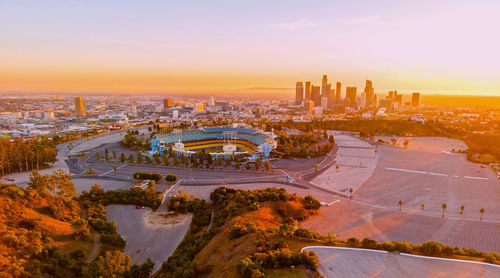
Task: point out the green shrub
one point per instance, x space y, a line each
352 241
147 176
369 243
171 178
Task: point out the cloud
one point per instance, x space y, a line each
303 23
300 24
366 19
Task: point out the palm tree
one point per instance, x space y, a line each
481 211
316 169
336 166
444 206
462 207
400 204
422 205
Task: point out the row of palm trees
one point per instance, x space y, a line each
444 207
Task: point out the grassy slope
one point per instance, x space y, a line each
222 253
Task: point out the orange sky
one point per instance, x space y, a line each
448 47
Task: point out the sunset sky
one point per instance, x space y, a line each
431 46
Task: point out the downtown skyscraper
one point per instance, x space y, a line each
299 93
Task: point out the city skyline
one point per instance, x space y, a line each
189 47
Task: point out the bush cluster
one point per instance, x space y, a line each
133 196
147 176
255 265
430 248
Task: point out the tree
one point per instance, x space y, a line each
267 165
122 157
405 143
400 204
166 161
316 169
444 206
97 156
237 165
422 205
337 167
113 264
114 169
462 207
80 229
481 211
114 154
106 154
58 184
139 157
131 158
156 158
141 271
331 139
200 159
258 162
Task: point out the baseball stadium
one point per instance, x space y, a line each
218 141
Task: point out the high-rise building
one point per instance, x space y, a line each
324 86
315 95
391 94
415 99
309 105
324 102
79 109
211 101
350 96
338 91
328 92
307 91
167 103
369 93
397 100
299 93
331 99
385 103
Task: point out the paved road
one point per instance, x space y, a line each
94 251
149 234
357 263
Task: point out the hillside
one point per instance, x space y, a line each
252 234
34 223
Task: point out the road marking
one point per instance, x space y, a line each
407 171
433 174
112 170
333 202
476 178
437 174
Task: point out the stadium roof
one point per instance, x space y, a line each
210 133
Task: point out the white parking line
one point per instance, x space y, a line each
476 178
112 170
333 203
407 171
433 174
437 174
